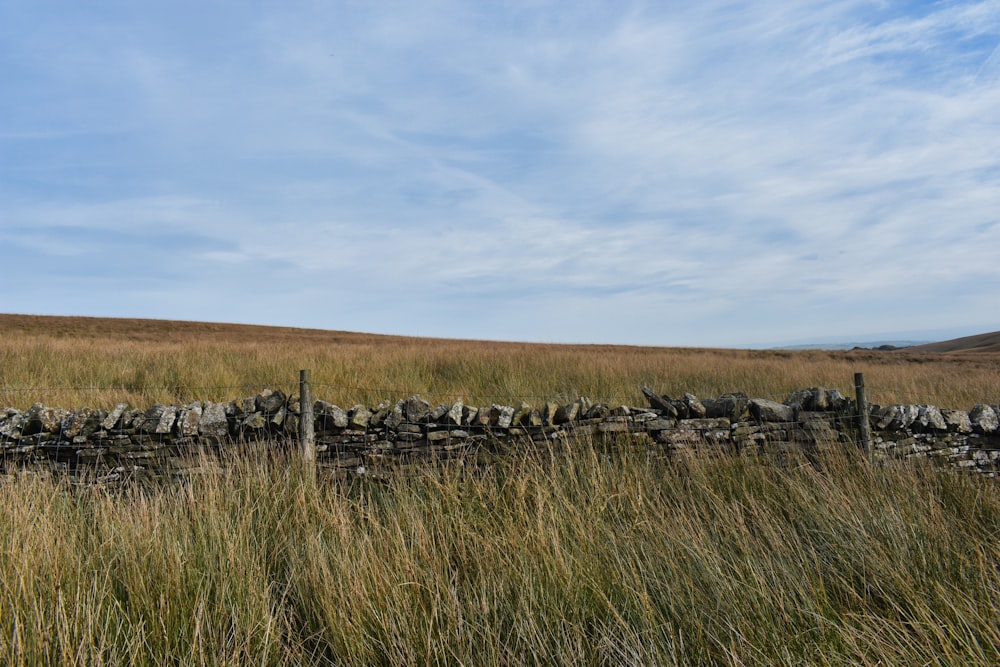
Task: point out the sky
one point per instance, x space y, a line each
712 173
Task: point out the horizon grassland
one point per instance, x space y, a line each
593 553
96 362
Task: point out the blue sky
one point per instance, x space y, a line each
709 174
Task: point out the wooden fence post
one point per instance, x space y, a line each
864 427
307 437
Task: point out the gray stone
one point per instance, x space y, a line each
598 411
359 417
454 415
188 419
957 421
469 414
158 419
661 403
14 423
214 422
44 420
482 416
733 406
549 411
83 422
255 421
930 417
566 413
417 409
898 417
438 413
521 413
984 419
277 419
270 402
395 417
764 410
696 409
802 400
705 424
501 416
330 416
659 424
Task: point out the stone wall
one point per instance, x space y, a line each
164 440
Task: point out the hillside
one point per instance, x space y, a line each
99 362
988 342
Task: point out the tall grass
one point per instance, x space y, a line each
586 556
72 362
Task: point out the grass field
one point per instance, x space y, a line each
589 555
579 558
72 362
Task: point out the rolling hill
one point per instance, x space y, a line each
988 342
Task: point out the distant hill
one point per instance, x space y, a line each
885 345
988 342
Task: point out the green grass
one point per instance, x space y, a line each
584 556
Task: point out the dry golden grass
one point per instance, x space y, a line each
76 361
585 558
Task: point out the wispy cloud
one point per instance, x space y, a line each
718 173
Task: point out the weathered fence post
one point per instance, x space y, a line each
864 427
307 437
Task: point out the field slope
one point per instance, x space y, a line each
988 342
97 362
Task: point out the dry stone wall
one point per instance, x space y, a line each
165 440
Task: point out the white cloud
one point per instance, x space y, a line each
658 164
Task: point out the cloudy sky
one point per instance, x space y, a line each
714 173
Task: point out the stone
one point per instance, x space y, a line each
214 422
270 402
764 410
957 421
255 421
501 416
696 409
598 411
613 427
566 413
661 403
438 436
82 422
659 424
158 419
930 417
469 413
44 420
482 417
705 424
329 416
395 416
359 417
984 419
897 417
416 409
188 419
733 406
438 413
521 413
801 400
454 414
380 414
549 411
